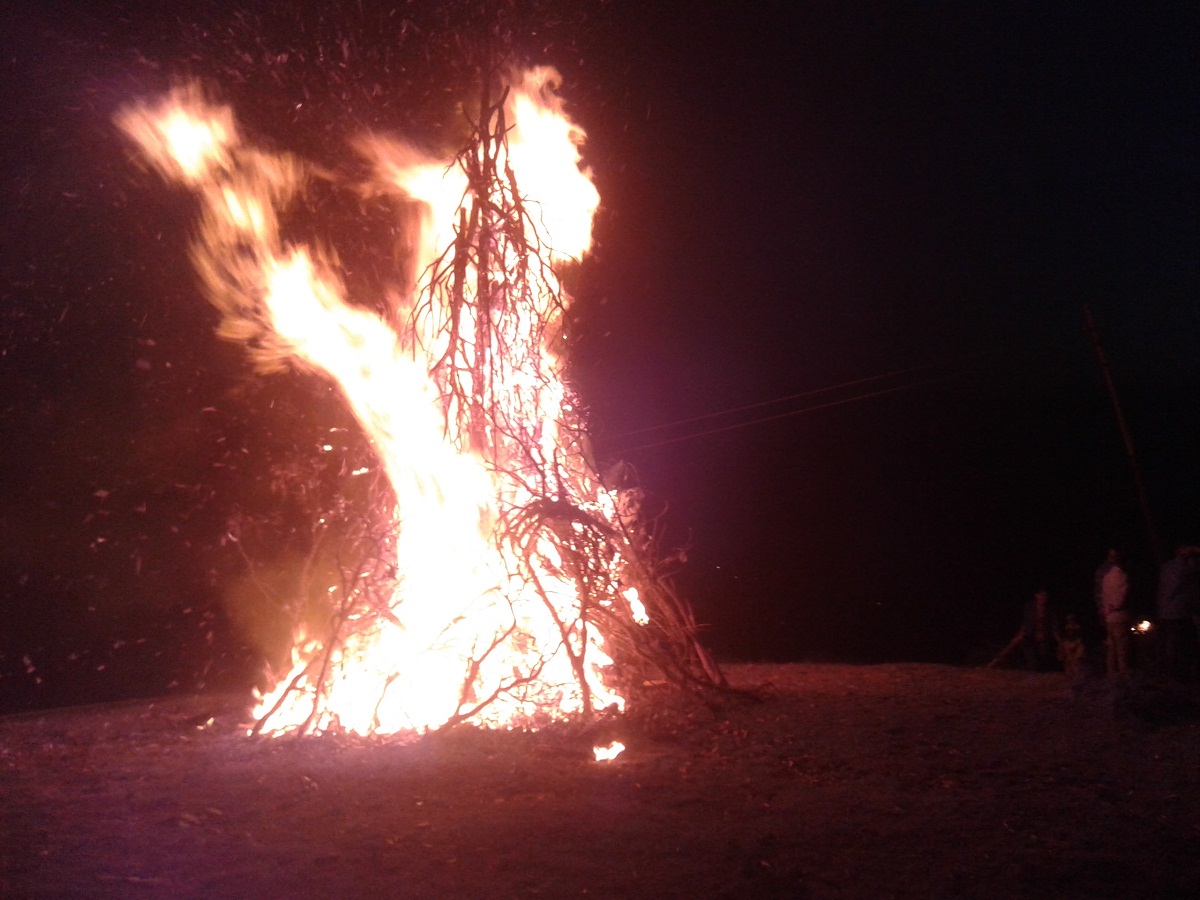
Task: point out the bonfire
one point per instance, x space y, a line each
497 579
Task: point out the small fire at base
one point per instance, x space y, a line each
609 753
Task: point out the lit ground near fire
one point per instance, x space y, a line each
816 781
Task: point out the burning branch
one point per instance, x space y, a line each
507 586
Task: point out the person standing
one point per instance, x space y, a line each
1040 636
1110 559
1177 602
1043 633
1071 649
1113 598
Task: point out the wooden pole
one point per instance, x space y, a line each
1126 437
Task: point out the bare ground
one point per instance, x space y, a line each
812 781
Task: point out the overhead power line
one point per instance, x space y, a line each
783 415
762 403
1013 356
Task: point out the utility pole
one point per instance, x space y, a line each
1111 387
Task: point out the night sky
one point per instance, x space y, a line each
834 316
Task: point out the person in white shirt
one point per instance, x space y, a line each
1113 602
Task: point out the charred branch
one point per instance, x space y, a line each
490 303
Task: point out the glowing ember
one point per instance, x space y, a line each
507 550
609 753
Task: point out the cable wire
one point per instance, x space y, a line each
762 403
777 416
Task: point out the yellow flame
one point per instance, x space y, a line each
637 608
464 626
609 753
184 137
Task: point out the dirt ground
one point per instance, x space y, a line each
812 781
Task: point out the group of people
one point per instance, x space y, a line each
1047 642
1050 643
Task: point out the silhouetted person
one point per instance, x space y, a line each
1178 601
1113 602
1111 557
1071 650
1039 636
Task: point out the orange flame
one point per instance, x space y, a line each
609 753
464 624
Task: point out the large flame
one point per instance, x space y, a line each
478 627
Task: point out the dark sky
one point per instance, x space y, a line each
834 315
815 197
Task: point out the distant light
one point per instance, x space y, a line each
1142 627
